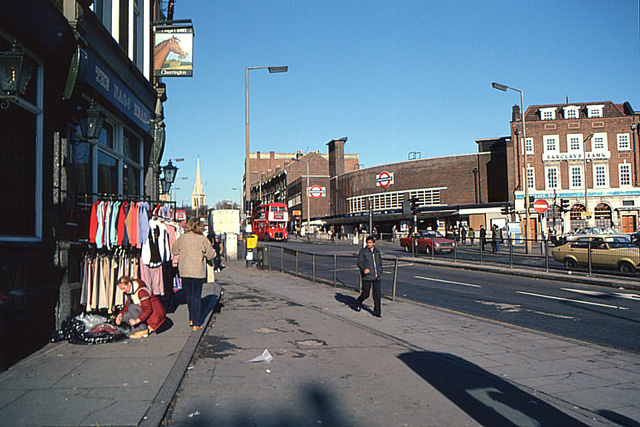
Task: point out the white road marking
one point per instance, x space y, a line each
516 308
448 281
633 297
572 300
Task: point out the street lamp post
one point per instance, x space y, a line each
527 232
247 172
586 195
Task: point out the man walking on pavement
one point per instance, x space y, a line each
483 237
370 265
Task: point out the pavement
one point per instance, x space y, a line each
417 366
124 383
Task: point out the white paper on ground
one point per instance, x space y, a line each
264 357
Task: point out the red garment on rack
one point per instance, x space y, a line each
93 222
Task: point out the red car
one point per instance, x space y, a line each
428 242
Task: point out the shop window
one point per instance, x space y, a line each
131 147
18 171
107 173
83 165
130 179
602 215
21 159
576 218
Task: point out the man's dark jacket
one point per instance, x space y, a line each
372 261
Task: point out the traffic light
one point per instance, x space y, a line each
505 209
414 204
564 205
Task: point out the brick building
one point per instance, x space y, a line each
282 177
572 145
463 188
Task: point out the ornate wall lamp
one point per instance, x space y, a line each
15 74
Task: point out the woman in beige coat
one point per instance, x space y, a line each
193 249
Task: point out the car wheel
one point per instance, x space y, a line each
626 268
570 263
427 250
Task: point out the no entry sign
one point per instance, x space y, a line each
540 206
384 179
315 191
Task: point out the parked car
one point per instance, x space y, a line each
593 231
428 242
606 252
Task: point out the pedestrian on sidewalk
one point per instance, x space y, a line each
472 235
194 249
463 235
495 239
218 247
483 237
370 265
143 311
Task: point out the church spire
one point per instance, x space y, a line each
198 197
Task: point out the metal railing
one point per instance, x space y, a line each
614 257
332 269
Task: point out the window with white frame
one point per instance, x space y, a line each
550 143
599 142
624 172
600 176
623 142
575 176
574 142
531 178
528 145
552 176
21 186
571 112
594 111
548 113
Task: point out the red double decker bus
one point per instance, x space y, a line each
269 221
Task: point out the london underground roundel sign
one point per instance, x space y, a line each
315 191
384 179
540 206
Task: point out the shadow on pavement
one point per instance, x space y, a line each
314 405
618 418
347 300
488 399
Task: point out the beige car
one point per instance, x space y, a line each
607 252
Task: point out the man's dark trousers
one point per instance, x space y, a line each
366 289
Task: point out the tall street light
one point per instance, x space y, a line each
527 232
586 195
247 173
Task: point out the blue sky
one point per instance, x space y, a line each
392 76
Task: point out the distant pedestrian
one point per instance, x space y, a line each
472 235
218 247
495 238
483 237
370 265
463 235
194 249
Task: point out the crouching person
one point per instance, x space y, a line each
142 310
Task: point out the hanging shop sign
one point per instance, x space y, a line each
384 179
173 49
